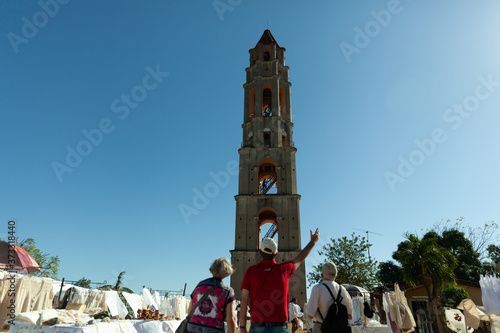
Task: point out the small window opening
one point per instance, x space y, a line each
267 55
267 140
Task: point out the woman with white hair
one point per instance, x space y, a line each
219 306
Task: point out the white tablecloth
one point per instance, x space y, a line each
114 327
371 329
132 326
155 326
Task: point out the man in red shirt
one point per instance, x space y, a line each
265 287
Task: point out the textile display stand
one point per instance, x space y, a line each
115 326
35 296
364 324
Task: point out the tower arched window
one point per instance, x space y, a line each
267 99
268 224
268 177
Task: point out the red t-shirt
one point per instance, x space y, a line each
271 304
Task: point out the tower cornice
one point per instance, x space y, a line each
260 62
267 196
250 122
258 149
245 85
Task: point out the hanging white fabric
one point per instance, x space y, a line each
115 304
148 300
490 290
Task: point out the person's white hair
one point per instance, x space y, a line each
221 268
329 271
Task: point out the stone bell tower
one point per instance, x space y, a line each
267 197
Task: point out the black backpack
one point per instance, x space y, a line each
336 319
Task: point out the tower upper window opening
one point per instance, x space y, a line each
267 98
267 55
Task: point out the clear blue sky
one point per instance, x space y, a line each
366 88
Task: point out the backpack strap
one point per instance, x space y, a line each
335 300
339 298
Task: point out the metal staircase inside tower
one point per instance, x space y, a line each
271 232
268 183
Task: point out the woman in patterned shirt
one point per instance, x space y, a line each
219 306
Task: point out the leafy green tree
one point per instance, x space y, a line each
480 237
389 272
352 261
83 282
494 253
492 266
454 240
452 296
424 261
48 263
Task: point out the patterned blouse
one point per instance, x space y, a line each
209 316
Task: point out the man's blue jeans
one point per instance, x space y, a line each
269 329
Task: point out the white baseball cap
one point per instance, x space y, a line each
269 246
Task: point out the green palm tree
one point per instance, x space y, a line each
119 288
118 285
424 261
